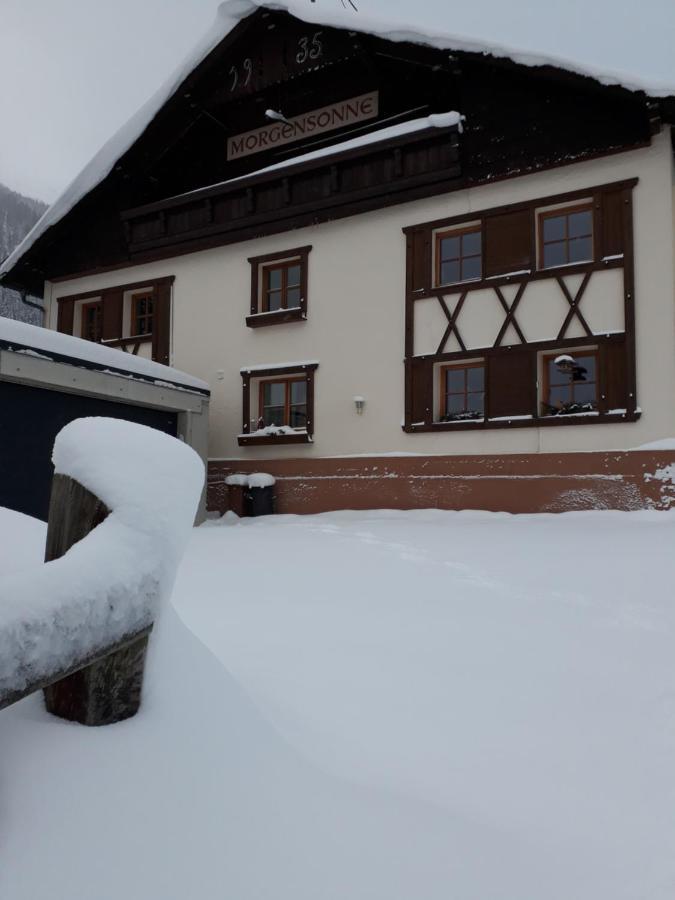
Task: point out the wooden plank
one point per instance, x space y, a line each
103 685
507 242
113 301
66 316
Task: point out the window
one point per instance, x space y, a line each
135 318
281 286
142 314
462 392
278 404
279 283
566 236
283 402
570 383
92 321
459 255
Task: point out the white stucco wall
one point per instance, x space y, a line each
355 326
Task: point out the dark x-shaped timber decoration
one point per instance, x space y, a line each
510 311
452 321
454 315
510 314
574 306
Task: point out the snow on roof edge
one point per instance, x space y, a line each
45 341
99 167
230 13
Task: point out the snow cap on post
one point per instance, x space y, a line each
108 585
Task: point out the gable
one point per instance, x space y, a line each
517 119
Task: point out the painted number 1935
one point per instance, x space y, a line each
247 67
310 48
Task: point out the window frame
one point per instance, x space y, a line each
546 357
459 231
115 300
93 304
135 298
296 372
260 266
284 266
478 363
543 214
287 382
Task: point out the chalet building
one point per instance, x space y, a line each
412 274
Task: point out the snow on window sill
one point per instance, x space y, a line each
274 435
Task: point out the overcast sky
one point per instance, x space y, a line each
72 71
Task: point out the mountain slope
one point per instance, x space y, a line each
18 214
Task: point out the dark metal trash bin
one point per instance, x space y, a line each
260 500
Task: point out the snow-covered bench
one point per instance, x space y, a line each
123 503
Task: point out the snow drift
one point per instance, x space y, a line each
109 584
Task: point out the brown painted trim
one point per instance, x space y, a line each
279 370
305 371
533 275
259 440
285 254
260 317
534 422
580 194
279 317
136 285
596 340
629 297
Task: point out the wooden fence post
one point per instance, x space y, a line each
108 689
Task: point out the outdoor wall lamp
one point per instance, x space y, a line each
359 403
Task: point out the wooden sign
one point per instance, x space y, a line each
318 121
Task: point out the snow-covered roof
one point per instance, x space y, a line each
43 342
230 13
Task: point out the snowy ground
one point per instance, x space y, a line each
398 706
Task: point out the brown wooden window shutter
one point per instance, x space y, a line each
611 229
66 316
614 376
511 384
419 260
161 335
112 314
421 391
508 242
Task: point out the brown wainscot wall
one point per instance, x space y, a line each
519 483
